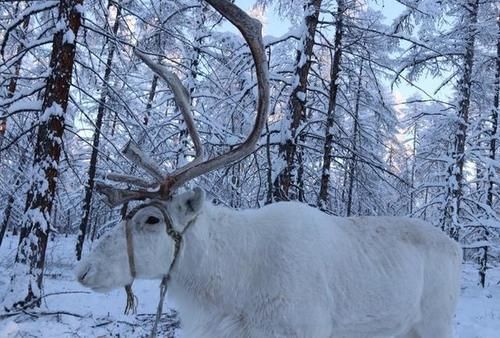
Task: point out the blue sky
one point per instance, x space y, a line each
277 26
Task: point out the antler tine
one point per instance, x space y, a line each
116 196
182 100
136 155
136 181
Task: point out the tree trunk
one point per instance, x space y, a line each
494 125
8 209
6 217
413 169
26 283
269 172
288 149
323 199
355 126
3 130
194 63
89 187
450 220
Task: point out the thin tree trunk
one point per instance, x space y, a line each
450 220
323 199
269 176
194 62
413 168
483 266
3 130
68 224
426 200
6 217
26 283
494 124
10 202
297 105
352 174
89 187
151 96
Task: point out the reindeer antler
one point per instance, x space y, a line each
251 29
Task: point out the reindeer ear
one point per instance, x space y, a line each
187 206
194 201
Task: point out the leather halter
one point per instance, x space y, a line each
175 235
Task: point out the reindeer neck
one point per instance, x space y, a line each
198 276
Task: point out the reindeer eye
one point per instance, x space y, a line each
152 220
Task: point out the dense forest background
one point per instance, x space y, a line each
73 93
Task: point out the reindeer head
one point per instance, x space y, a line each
148 237
141 247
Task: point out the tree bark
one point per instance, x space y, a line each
323 198
296 106
6 217
413 169
89 187
26 283
450 220
494 124
353 161
10 205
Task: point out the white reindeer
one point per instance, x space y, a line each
285 270
288 270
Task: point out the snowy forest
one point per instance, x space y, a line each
376 108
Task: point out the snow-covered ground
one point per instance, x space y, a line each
478 313
69 310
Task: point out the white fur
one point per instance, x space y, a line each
289 270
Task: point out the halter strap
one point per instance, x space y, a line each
175 235
130 242
130 250
131 305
